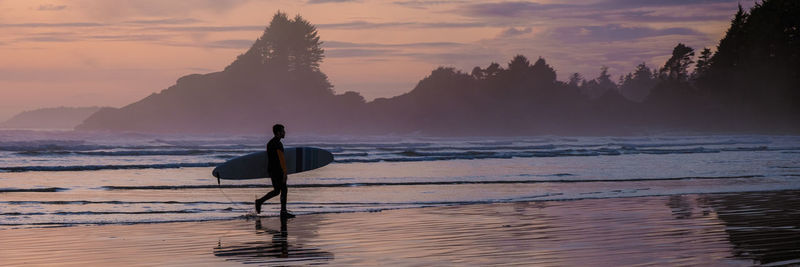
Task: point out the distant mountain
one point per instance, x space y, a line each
50 118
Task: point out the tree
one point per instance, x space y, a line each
478 73
637 85
575 80
728 50
604 79
287 44
703 64
755 72
542 73
677 66
492 70
600 85
519 64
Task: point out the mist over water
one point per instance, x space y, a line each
69 178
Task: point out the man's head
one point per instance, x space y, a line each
278 130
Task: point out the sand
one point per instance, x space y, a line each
713 229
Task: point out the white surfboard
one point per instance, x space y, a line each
254 165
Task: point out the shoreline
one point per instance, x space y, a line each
273 215
725 228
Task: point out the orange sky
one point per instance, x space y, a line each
114 52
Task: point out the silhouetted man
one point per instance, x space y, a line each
276 167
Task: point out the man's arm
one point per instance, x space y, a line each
283 164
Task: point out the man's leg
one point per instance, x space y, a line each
285 213
269 195
284 191
266 197
275 191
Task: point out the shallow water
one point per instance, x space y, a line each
731 229
67 178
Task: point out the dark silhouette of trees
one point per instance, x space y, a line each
287 44
492 70
542 74
600 85
751 83
755 73
703 64
519 64
575 80
677 67
636 86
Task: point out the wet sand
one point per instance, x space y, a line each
712 229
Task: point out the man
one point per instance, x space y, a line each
276 167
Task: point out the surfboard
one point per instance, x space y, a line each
254 165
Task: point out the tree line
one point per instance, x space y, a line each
749 83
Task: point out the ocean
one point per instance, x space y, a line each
66 178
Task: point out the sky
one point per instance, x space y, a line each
113 52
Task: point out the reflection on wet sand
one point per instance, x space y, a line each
763 227
741 229
278 250
738 228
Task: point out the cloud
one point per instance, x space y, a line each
249 28
63 37
664 16
231 43
51 7
356 52
631 55
614 32
660 3
313 2
238 44
604 11
144 22
155 38
149 30
511 32
510 9
169 21
48 39
53 25
451 25
122 10
336 49
337 44
128 37
347 49
465 59
421 4
361 25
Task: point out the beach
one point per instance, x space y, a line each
96 199
738 229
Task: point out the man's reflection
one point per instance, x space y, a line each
275 251
279 238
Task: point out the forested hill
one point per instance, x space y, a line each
276 80
749 83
